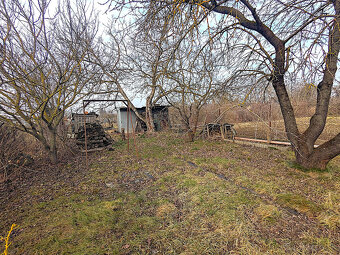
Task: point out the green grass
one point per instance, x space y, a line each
219 162
158 203
299 203
294 164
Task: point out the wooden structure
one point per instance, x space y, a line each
160 116
124 119
87 102
225 130
78 120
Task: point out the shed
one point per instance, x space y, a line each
160 115
78 120
122 118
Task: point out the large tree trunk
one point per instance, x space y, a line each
53 155
303 144
51 151
311 162
50 145
307 156
191 126
317 157
190 132
149 119
53 147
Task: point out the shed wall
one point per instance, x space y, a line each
122 120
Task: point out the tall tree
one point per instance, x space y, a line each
43 71
144 49
193 79
148 63
314 17
279 40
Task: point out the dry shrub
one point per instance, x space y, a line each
20 152
32 146
67 148
12 156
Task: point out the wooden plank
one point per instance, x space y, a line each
95 149
262 141
266 141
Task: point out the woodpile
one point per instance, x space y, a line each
96 136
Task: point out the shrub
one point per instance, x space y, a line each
12 145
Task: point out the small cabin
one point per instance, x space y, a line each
160 116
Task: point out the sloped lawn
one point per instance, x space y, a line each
206 197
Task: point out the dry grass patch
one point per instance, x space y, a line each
259 129
231 200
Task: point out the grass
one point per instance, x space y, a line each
159 203
294 164
299 203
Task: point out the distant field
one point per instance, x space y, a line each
259 129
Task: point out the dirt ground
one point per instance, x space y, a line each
169 196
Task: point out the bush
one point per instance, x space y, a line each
12 155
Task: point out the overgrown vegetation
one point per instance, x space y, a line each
206 197
13 148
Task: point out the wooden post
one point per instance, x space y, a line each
269 136
222 132
134 137
87 160
127 127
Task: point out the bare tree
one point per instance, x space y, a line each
114 79
43 70
144 51
281 30
193 80
148 62
277 41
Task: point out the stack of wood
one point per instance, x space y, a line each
96 137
